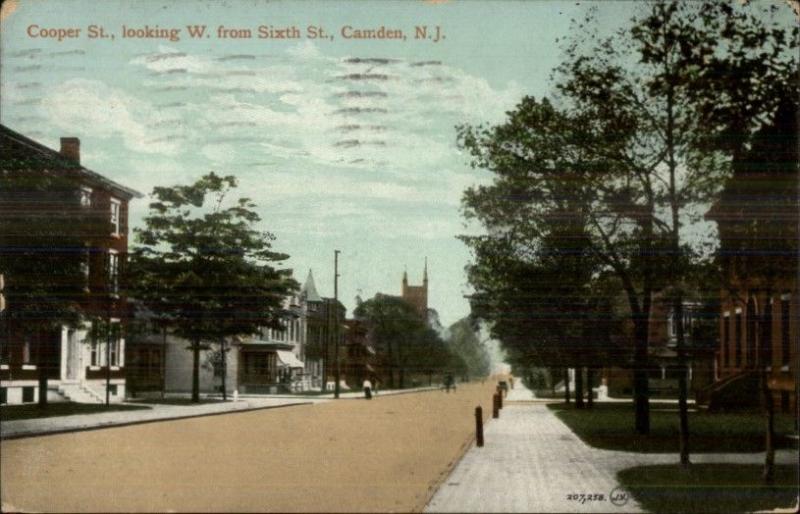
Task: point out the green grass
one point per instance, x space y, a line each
610 426
33 411
725 488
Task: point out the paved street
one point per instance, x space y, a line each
387 454
532 462
159 412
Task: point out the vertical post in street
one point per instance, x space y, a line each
479 426
336 369
495 406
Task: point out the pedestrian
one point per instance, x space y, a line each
367 389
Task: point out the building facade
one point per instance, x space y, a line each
82 363
757 219
417 295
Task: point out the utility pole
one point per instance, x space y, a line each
337 369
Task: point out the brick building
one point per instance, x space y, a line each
76 360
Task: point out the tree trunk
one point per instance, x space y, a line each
224 370
163 362
196 371
566 385
683 392
641 391
589 385
579 387
42 368
769 436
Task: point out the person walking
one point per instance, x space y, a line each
367 389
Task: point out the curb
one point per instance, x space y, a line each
23 435
445 474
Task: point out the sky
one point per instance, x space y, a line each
343 144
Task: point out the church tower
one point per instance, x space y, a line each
417 295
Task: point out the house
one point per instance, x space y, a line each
269 362
663 370
83 363
758 220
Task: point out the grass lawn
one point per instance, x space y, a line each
709 488
610 426
32 410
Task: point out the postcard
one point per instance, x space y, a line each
398 255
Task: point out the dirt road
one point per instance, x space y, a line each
351 455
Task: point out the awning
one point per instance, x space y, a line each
289 359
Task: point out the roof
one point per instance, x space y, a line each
22 152
310 290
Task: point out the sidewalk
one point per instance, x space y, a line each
533 462
59 424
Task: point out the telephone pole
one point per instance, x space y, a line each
337 369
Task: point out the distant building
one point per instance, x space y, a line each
77 360
417 295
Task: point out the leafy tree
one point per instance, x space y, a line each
463 341
402 337
626 144
46 239
208 272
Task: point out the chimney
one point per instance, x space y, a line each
71 148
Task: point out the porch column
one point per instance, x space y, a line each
64 353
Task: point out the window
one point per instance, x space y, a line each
115 210
3 395
113 351
28 394
93 353
26 351
112 389
113 272
86 197
5 352
738 340
785 343
751 333
85 265
726 340
766 334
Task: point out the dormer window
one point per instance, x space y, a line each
86 197
115 211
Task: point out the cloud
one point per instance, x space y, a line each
96 109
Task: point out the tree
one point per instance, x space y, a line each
402 337
745 89
462 340
45 241
208 272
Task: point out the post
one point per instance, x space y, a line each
496 406
336 369
500 399
479 426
